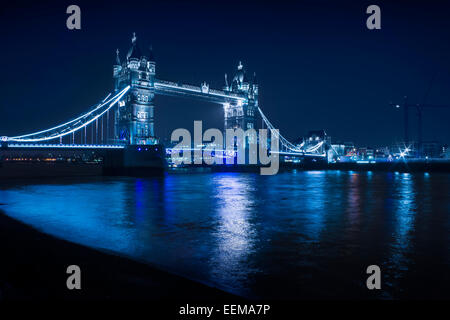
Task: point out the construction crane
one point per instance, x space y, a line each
419 107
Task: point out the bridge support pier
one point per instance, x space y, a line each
136 161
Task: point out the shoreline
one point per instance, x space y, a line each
34 268
24 170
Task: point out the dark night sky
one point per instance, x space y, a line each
318 65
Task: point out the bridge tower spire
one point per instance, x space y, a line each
242 114
117 68
135 116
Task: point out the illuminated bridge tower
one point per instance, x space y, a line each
134 122
241 114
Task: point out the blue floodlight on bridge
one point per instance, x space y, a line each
73 125
135 87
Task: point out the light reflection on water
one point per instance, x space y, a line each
295 234
234 235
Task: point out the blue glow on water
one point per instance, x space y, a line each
258 236
67 212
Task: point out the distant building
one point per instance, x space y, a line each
431 149
365 153
317 141
382 153
445 152
342 152
318 135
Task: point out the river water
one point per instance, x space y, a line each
298 234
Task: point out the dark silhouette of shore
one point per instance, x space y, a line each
33 267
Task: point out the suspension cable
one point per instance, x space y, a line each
75 124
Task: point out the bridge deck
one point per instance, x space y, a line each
204 92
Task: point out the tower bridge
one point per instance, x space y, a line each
125 117
135 116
